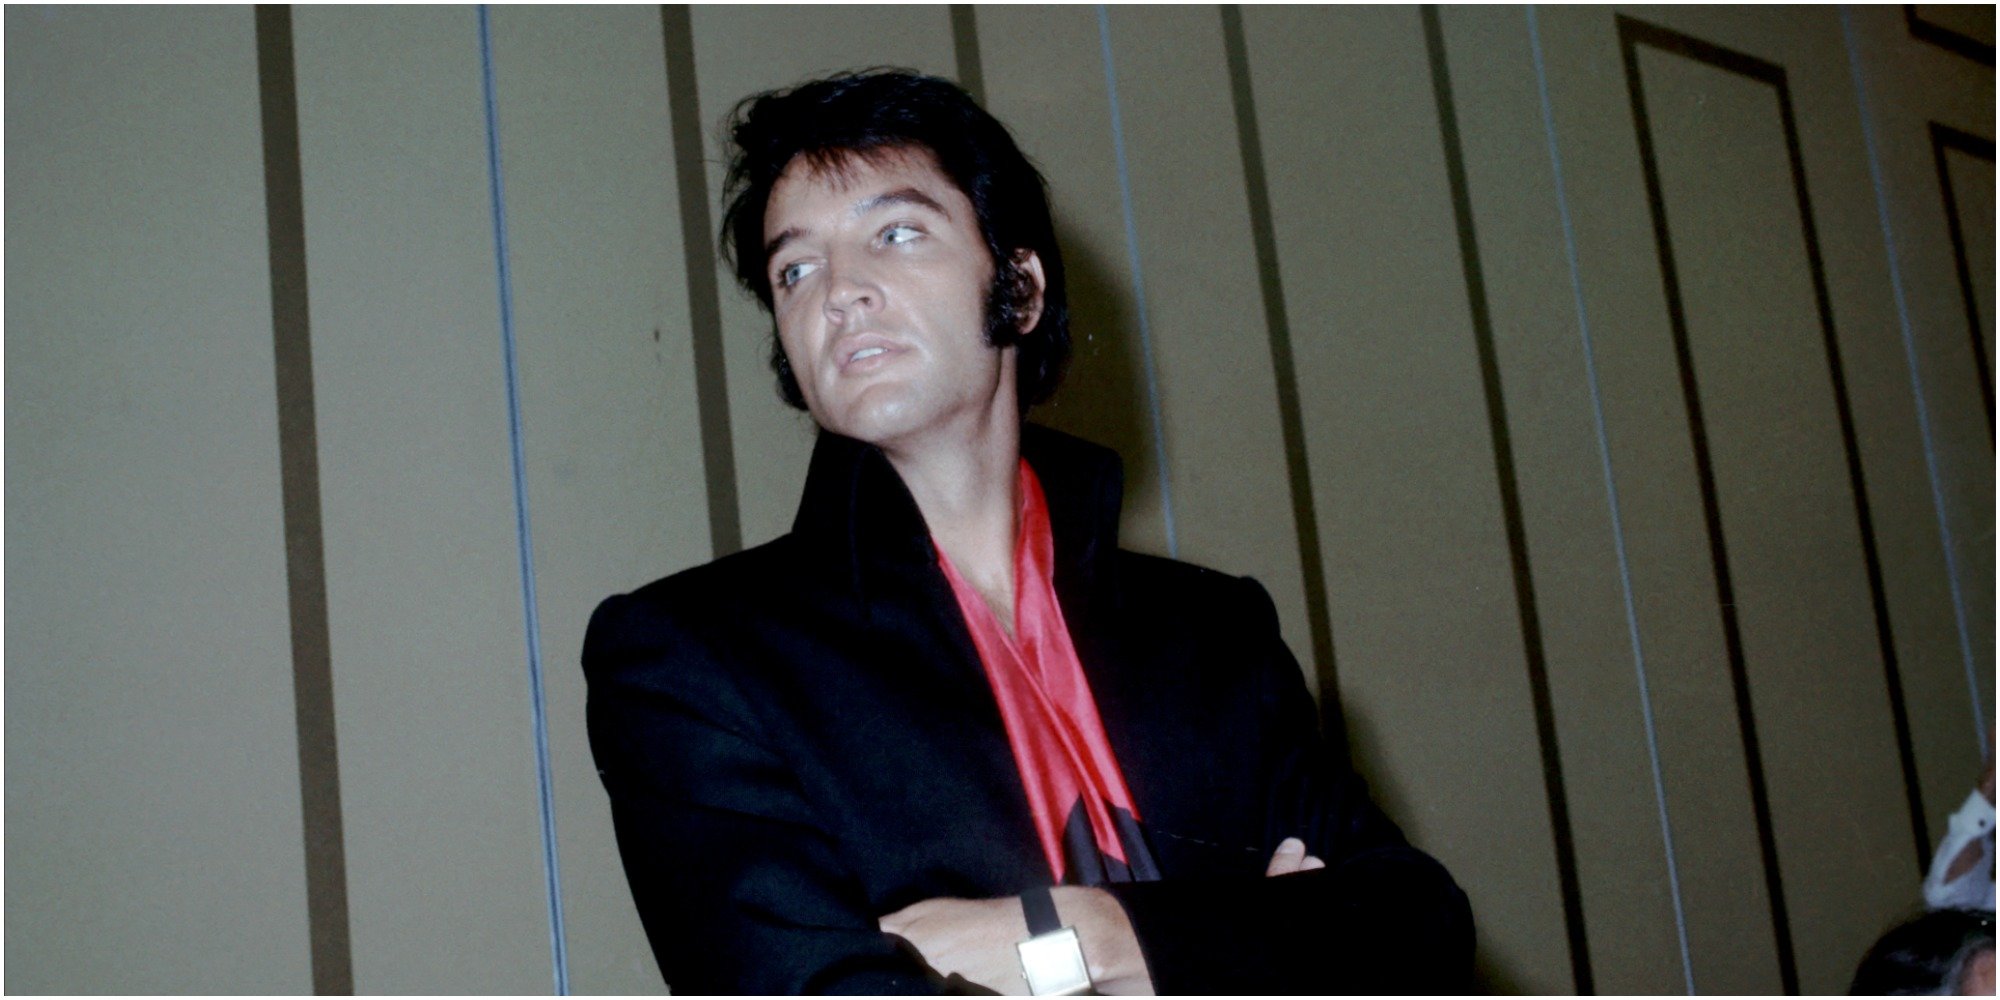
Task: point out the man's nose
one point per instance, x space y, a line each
851 289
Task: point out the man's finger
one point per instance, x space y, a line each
1285 860
1311 863
900 921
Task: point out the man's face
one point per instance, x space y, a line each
879 277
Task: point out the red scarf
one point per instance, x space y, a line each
1045 701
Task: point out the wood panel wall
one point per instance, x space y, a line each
1605 396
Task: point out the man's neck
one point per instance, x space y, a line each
966 485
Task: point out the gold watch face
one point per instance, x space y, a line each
1053 964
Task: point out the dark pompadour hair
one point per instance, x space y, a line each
882 112
1925 956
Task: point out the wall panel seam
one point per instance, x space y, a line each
1611 500
1925 435
698 256
965 51
1138 281
1943 139
1533 653
538 706
1857 478
327 918
1292 425
1629 35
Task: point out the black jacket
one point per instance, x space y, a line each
799 738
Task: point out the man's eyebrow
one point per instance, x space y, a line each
777 242
901 196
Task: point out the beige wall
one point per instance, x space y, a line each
1628 481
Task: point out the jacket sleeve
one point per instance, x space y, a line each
739 890
1382 917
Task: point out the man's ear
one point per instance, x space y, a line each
1027 292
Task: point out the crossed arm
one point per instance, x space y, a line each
743 893
974 938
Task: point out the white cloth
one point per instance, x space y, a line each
1971 826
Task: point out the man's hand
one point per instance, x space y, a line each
1291 857
974 938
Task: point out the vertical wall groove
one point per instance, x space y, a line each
1944 138
1629 36
1611 502
524 536
711 386
1510 505
1271 283
1138 281
1919 400
965 50
1857 480
305 556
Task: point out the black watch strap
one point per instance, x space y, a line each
1040 907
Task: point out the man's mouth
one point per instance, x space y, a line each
866 352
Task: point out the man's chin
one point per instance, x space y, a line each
879 418
889 413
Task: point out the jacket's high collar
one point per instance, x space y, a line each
856 510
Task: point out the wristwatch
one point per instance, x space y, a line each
1052 956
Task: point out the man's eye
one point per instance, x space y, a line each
900 234
791 274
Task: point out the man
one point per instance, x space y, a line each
857 758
